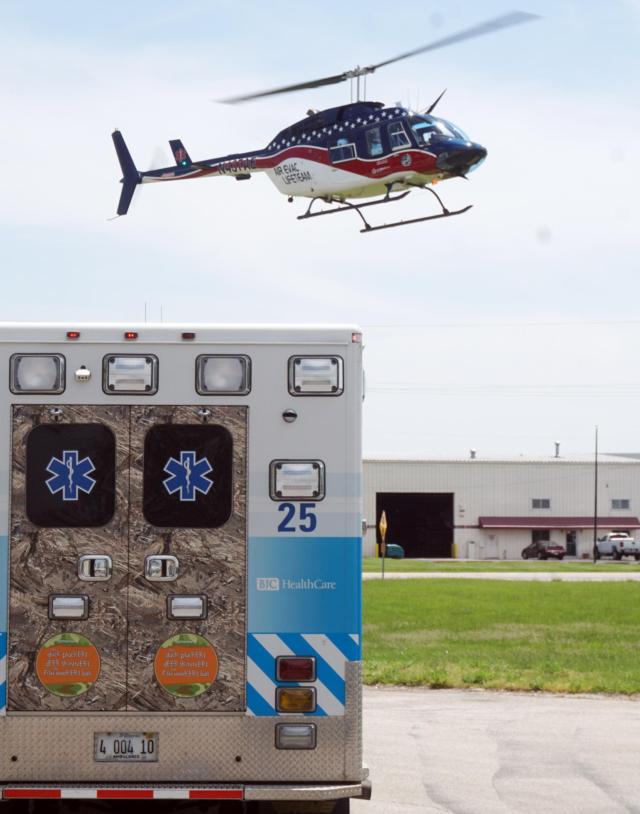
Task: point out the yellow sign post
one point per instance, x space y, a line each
382 528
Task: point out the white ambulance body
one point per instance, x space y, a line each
180 573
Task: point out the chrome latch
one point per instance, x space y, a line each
95 568
187 607
161 568
68 607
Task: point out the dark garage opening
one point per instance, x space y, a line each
422 523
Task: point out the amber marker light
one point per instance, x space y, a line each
295 699
130 335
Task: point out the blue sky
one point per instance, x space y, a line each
505 329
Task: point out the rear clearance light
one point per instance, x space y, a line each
129 335
68 607
296 480
296 699
73 334
356 336
187 607
130 374
295 668
295 736
37 373
315 376
223 374
188 335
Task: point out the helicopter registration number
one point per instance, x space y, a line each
290 173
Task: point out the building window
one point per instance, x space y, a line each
540 503
540 535
620 503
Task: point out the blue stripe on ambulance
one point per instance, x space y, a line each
3 671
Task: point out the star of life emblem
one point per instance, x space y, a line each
187 476
70 475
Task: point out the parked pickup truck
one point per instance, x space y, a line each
617 544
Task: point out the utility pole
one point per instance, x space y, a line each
595 503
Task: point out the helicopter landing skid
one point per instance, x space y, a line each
388 198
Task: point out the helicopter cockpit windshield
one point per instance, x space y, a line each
426 128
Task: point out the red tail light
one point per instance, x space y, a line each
130 334
295 668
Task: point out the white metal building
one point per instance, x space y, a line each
482 508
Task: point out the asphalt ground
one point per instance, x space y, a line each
477 751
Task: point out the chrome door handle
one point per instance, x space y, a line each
95 567
161 568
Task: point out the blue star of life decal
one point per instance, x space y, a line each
70 475
187 476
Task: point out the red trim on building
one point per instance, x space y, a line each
558 522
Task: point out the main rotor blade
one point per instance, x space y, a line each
314 83
505 21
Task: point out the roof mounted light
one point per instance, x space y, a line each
129 335
126 373
223 375
73 334
315 376
37 373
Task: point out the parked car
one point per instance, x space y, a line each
543 550
395 551
617 544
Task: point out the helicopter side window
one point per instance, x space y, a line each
397 136
424 130
374 142
343 151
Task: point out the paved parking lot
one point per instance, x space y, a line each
470 752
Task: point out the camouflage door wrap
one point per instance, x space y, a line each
188 499
69 497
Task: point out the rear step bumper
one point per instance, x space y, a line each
159 791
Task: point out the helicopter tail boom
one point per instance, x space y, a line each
130 175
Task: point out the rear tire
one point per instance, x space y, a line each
524 555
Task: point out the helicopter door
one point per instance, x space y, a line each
398 138
373 140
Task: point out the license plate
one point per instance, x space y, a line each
125 747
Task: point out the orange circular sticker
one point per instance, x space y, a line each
186 665
68 665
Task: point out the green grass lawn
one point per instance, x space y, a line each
375 564
558 636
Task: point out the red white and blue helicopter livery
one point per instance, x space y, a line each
344 154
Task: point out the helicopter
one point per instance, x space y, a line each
344 155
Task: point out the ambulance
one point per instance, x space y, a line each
180 566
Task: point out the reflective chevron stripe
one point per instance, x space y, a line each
331 652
